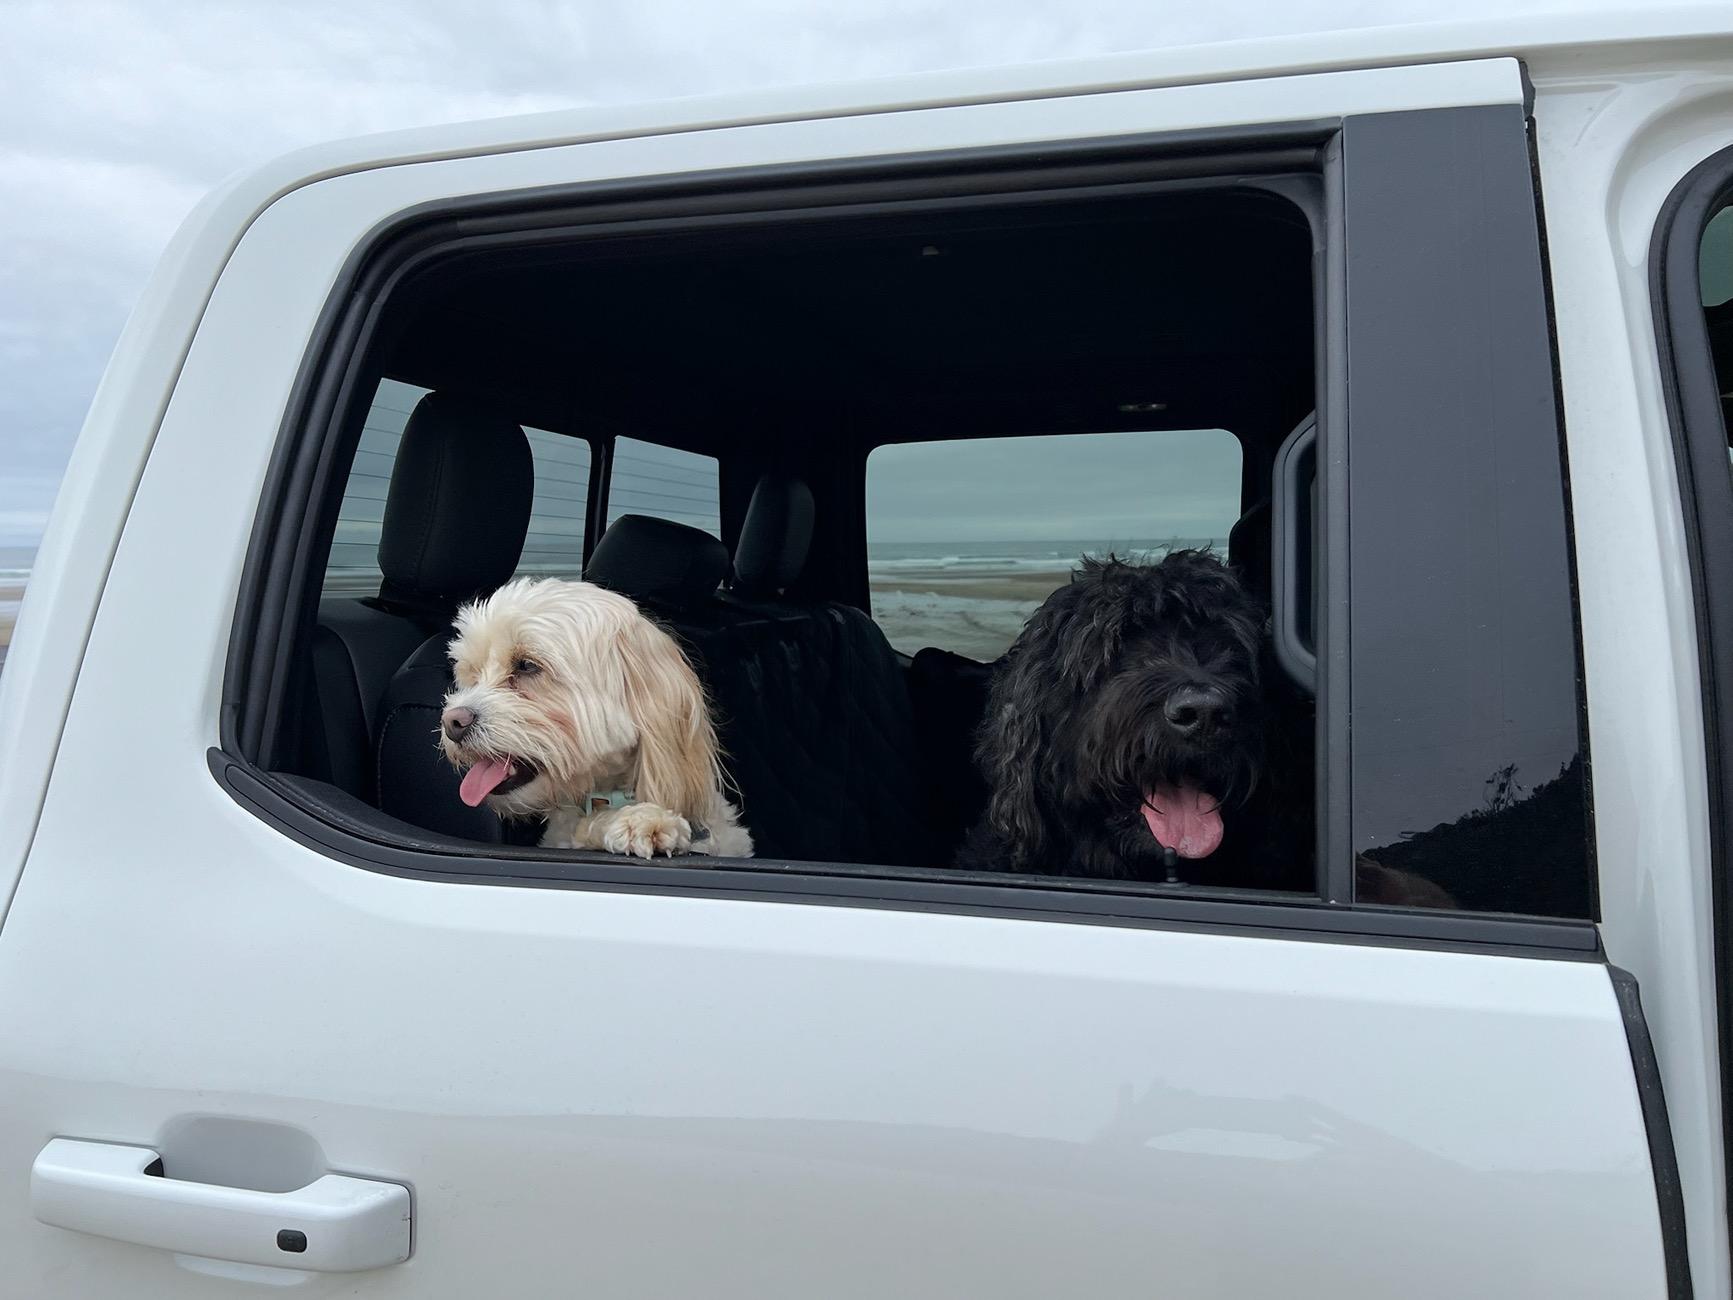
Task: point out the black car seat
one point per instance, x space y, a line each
436 548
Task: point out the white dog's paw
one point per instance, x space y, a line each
642 830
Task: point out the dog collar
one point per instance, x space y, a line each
598 801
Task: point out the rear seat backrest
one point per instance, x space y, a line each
838 770
809 698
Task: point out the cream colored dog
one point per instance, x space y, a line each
572 705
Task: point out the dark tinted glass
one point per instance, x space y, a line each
1467 746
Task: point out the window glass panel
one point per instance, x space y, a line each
965 539
649 479
554 545
353 568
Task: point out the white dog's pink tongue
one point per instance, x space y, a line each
480 780
1184 819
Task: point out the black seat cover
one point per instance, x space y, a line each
809 698
455 518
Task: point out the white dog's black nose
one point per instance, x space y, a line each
1195 710
457 722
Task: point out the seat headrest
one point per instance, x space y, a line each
458 507
774 536
658 560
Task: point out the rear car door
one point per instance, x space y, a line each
784 1082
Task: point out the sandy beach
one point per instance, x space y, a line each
975 609
1019 584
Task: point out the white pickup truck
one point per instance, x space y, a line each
1431 329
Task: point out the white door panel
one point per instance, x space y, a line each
607 1094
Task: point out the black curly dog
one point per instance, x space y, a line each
1135 731
1125 733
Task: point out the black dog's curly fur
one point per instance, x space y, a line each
1075 734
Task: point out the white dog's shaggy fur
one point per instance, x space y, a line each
570 704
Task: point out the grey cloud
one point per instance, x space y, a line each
115 117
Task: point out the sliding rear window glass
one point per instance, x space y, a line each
650 479
965 539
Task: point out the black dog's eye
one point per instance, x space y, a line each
525 668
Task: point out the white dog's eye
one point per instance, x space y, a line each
525 668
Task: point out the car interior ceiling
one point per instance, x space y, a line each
789 353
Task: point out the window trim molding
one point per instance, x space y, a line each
906 889
1691 397
325 392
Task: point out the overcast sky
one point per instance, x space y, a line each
1107 490
116 117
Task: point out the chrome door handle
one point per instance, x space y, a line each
335 1224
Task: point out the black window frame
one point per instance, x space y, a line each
1691 394
1301 160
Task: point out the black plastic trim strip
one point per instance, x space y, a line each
1669 1192
1335 772
1457 531
1298 660
907 889
1591 840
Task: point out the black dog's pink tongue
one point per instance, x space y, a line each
1184 819
480 780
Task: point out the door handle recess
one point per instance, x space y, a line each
335 1224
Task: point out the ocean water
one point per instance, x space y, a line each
974 597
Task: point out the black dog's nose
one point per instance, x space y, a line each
1194 710
456 722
